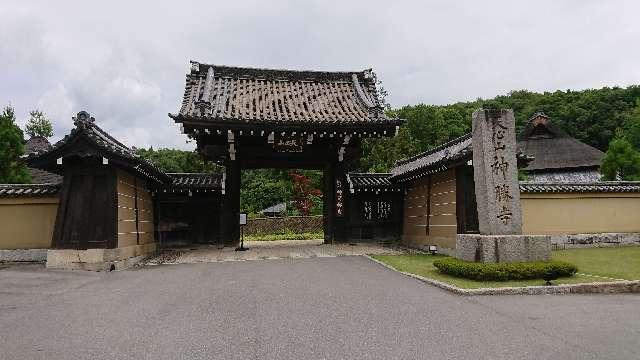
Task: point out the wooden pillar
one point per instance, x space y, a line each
230 214
334 218
340 200
328 202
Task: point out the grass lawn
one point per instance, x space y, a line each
619 263
285 236
614 262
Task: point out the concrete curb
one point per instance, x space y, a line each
612 287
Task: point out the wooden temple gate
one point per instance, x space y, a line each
245 118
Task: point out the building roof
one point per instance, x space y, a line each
551 148
20 190
434 160
88 139
37 144
370 182
594 187
196 180
43 177
275 209
227 95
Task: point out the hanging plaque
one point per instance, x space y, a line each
288 143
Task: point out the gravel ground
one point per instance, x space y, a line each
260 250
319 308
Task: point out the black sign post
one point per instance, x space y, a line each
243 222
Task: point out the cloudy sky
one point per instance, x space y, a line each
125 61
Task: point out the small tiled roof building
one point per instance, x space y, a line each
557 157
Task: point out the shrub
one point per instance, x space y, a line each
503 271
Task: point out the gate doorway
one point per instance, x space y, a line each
282 204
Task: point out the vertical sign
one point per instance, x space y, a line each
339 198
496 173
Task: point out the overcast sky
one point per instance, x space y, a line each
125 61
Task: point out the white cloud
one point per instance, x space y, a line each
125 61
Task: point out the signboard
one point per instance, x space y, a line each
243 219
288 144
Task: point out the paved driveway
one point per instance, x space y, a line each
279 249
319 308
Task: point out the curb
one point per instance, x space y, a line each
612 287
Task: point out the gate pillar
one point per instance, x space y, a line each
230 214
328 202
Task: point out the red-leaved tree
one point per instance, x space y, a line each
303 192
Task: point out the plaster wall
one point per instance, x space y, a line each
580 213
27 222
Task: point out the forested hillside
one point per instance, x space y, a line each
592 116
595 116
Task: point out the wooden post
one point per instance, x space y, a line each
340 207
230 225
328 202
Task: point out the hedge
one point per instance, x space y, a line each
504 271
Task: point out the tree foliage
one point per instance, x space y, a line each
621 162
591 116
171 160
631 126
12 169
262 188
39 125
303 193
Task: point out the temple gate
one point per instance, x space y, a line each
246 118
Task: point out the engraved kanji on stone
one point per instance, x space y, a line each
502 193
504 215
500 165
498 135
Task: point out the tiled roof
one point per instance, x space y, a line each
105 143
37 144
225 94
436 159
43 177
277 208
195 180
16 190
595 187
370 182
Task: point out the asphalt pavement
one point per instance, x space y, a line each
318 308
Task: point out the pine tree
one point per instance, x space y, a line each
12 169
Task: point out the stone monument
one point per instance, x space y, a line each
498 196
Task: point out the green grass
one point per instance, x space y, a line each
614 262
285 236
622 262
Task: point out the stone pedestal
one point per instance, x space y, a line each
503 248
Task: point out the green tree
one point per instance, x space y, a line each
621 161
38 125
172 160
379 155
12 169
632 126
591 116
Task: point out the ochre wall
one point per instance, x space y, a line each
27 222
439 226
127 234
577 213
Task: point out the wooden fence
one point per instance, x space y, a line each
281 225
